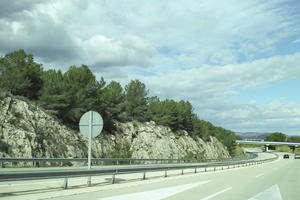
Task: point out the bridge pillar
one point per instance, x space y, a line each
267 147
293 148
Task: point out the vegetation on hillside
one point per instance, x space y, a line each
281 137
68 95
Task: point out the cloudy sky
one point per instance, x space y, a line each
237 62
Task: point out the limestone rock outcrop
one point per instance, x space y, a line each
28 131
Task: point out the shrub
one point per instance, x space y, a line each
4 147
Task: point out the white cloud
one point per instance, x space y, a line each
186 49
101 51
216 83
197 32
272 117
208 88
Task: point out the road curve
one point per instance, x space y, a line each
275 180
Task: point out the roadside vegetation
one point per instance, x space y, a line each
281 137
238 152
67 95
284 148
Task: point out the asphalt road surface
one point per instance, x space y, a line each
270 181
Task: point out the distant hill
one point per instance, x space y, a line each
252 135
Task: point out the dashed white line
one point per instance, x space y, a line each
259 175
157 194
216 194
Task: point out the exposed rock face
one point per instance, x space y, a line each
151 141
28 131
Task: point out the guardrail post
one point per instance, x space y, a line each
144 176
34 163
166 173
113 180
1 164
205 169
89 181
66 183
182 172
195 170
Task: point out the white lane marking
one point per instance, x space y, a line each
216 194
259 175
37 183
272 193
156 194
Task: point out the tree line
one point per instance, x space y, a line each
70 94
281 137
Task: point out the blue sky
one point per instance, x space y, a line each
237 62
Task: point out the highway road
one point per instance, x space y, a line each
270 181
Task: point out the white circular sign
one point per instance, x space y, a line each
91 121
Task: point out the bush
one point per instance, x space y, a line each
4 94
284 149
4 147
238 151
123 151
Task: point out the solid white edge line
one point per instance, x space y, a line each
216 194
31 183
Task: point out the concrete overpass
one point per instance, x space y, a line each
293 145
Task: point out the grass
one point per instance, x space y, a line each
238 152
297 150
286 148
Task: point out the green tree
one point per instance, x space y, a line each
111 99
20 75
293 139
176 115
54 95
81 86
185 115
201 128
276 137
164 113
135 104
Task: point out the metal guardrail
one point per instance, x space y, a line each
51 174
117 161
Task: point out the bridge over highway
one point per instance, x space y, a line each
294 145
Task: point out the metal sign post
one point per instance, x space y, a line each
90 125
90 139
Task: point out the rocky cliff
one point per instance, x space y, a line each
28 131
